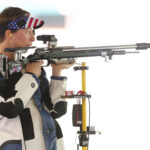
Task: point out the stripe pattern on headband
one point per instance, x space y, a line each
33 22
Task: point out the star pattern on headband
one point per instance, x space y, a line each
18 23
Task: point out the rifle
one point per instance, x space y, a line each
64 54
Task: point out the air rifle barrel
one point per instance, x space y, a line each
138 46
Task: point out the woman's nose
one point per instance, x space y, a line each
32 37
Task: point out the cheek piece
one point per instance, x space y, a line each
25 22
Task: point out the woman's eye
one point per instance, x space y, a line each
31 30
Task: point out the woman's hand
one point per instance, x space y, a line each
57 68
34 67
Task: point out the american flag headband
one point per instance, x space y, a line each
25 22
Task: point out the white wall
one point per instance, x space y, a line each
120 103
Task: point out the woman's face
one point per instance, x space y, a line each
22 38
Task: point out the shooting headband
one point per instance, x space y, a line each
25 22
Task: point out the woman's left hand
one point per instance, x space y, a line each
57 68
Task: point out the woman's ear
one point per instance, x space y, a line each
8 34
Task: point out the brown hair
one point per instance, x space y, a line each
6 16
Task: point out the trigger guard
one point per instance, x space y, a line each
50 61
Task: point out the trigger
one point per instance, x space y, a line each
50 61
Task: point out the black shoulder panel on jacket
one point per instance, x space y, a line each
10 84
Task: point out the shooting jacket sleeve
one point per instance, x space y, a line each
13 101
51 94
57 89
